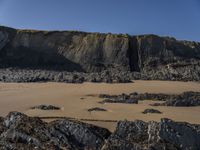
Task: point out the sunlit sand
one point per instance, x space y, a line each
75 99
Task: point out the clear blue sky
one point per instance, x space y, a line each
178 18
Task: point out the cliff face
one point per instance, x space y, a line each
92 52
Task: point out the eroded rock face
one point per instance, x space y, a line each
152 56
3 39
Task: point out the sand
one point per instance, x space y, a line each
75 99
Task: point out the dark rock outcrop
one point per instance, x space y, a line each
154 111
96 109
132 97
19 131
35 75
167 134
148 56
46 107
185 99
124 98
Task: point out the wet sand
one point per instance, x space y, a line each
22 96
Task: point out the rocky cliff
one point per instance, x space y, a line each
95 52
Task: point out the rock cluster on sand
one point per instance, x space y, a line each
124 98
46 107
96 109
185 99
132 97
144 56
18 131
35 75
154 111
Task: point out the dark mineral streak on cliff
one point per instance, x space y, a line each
153 56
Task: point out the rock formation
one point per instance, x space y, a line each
150 110
186 99
165 135
18 131
96 109
153 57
46 107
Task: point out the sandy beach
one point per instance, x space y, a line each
75 99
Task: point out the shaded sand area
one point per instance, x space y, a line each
75 99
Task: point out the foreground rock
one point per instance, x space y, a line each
46 107
154 111
185 99
166 135
18 131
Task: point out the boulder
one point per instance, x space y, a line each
96 109
154 111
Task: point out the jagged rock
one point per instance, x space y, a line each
118 99
135 95
146 111
149 96
22 132
30 75
167 134
132 97
96 109
19 131
46 107
182 135
186 99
